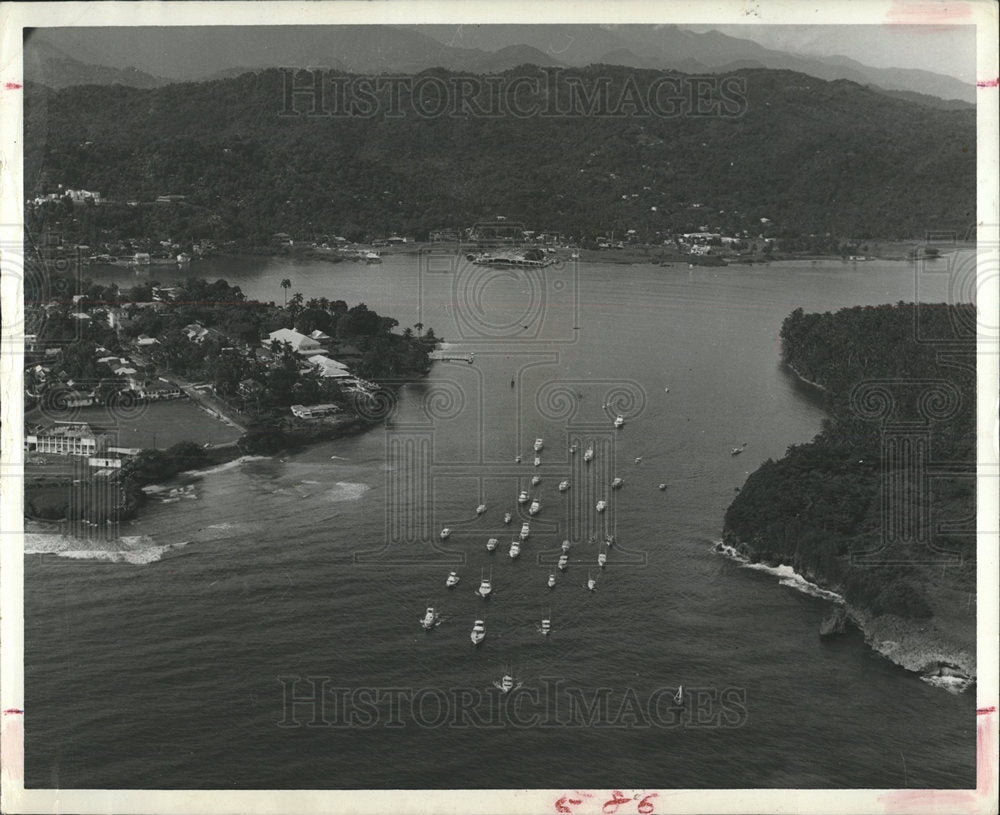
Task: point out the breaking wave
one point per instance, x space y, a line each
137 550
347 491
787 576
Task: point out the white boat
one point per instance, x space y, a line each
523 497
736 451
478 632
535 507
601 506
574 447
619 421
552 580
485 586
517 459
492 544
591 582
507 683
546 625
538 461
563 562
538 445
480 509
430 619
662 487
565 545
563 486
609 540
515 549
602 559
679 696
506 517
445 533
589 453
536 480
452 579
617 484
525 530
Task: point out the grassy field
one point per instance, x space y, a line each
157 424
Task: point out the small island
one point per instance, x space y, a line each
869 508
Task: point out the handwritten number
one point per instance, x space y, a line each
645 805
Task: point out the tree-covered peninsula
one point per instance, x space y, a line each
880 506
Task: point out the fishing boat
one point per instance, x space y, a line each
563 486
546 625
552 580
536 480
478 632
525 530
452 579
563 562
492 544
602 505
602 559
485 585
506 517
619 421
591 582
565 546
736 451
480 509
430 619
445 533
617 483
535 507
662 487
538 461
515 549
523 497
589 453
507 683
538 445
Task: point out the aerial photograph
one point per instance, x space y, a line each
581 407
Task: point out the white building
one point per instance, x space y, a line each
300 343
314 411
72 439
329 368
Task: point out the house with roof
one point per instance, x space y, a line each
66 439
328 368
300 343
320 336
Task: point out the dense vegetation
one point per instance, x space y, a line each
816 158
819 507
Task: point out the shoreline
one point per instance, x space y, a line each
802 379
911 644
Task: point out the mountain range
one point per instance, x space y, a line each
150 57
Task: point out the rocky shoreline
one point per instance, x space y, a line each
918 646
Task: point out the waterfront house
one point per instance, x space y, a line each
319 336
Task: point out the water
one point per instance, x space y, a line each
165 670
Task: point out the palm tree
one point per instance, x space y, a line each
286 284
420 328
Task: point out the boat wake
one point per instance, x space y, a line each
786 574
347 491
136 550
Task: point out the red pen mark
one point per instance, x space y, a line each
645 805
987 83
983 711
948 801
12 747
617 799
11 710
562 805
11 86
941 14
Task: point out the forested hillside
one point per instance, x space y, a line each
811 157
819 508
